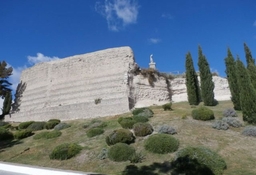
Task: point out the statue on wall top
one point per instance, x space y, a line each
151 58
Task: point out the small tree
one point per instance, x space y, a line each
4 75
5 90
193 89
18 94
7 103
207 85
247 93
232 80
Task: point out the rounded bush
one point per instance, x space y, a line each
231 121
65 151
94 132
139 118
146 112
51 124
142 129
203 156
166 129
203 113
167 106
61 126
23 134
47 135
249 131
120 152
24 125
120 136
36 126
220 125
54 120
161 143
126 122
229 113
5 134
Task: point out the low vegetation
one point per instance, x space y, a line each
161 155
201 157
203 113
65 151
161 144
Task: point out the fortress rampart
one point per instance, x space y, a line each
91 85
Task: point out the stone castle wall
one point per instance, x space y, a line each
67 88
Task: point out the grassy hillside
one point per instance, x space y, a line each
238 151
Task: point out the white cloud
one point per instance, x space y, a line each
118 13
254 24
154 40
40 58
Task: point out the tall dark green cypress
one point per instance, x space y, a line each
207 85
232 80
250 65
248 55
247 93
193 89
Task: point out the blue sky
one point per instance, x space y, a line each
40 30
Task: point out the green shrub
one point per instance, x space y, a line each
94 132
54 120
231 121
103 154
142 129
203 113
51 124
5 134
47 135
203 156
126 122
61 126
249 131
137 158
166 129
120 152
139 118
5 125
167 106
229 113
220 125
65 151
24 125
95 123
161 143
36 126
120 136
146 112
23 134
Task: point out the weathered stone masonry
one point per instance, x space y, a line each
67 88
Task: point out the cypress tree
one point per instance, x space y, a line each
247 93
232 80
193 90
207 85
248 55
250 65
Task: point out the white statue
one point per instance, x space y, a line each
151 58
